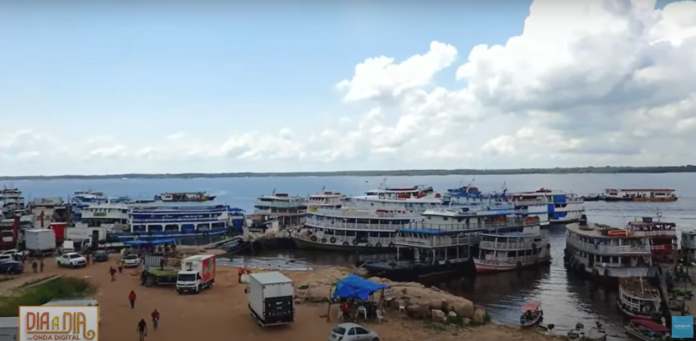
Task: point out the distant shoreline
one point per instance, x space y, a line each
412 172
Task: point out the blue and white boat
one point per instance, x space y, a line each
157 221
83 199
562 208
468 195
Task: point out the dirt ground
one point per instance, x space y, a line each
222 313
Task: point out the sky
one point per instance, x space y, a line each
108 87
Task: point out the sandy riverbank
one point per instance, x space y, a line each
223 313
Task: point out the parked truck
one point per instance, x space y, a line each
271 298
197 273
40 240
155 274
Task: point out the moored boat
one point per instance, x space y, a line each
647 330
516 248
597 333
531 314
324 200
606 253
638 299
562 208
289 211
649 195
176 222
184 197
349 229
688 245
440 244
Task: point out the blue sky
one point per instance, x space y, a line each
143 70
212 67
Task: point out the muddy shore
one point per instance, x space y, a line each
222 312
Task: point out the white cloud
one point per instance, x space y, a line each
590 82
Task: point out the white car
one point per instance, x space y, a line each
130 261
352 332
13 252
71 260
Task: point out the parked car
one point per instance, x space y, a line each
13 252
6 258
101 256
352 332
71 260
131 260
11 267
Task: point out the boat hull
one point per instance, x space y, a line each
636 316
310 245
536 321
402 271
487 267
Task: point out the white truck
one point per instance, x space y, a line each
43 240
271 298
197 273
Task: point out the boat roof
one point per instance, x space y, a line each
511 234
648 190
531 306
653 326
592 230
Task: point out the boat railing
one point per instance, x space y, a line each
281 204
281 211
164 220
609 249
511 222
438 241
354 226
509 246
379 257
654 233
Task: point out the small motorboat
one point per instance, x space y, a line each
647 330
597 333
531 314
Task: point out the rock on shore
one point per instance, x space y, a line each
420 302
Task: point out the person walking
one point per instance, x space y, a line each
131 299
87 258
155 319
112 272
120 266
41 264
142 329
34 265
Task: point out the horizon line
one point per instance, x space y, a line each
401 172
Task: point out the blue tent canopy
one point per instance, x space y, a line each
148 242
356 287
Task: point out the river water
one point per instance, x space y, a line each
566 299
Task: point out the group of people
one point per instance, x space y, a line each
142 325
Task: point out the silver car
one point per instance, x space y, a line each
352 332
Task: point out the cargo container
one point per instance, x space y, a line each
43 240
271 298
197 273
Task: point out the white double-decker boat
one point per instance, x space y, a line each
514 248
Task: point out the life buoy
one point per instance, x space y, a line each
378 245
345 244
333 240
391 245
355 242
368 245
313 238
323 240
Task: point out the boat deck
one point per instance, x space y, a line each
639 287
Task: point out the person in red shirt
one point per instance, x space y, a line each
155 319
131 299
112 272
